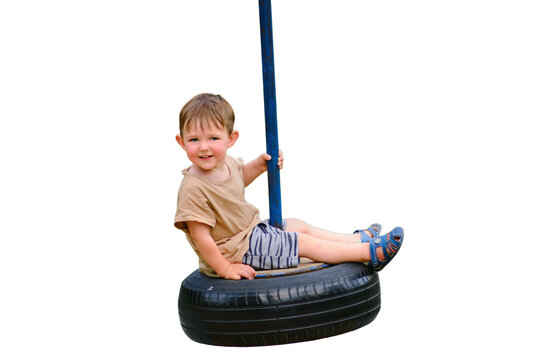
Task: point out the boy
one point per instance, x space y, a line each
226 232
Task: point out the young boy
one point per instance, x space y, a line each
226 232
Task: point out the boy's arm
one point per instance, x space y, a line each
209 251
253 169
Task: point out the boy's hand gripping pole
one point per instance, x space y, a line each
269 85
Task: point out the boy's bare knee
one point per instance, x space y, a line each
296 225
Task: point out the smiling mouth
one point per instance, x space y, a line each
205 156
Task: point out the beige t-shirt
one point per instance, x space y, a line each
222 206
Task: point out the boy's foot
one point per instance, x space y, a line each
371 232
383 249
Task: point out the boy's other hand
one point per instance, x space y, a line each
238 271
280 160
265 157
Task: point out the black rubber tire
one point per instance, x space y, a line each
279 310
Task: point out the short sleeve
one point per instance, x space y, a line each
239 162
193 206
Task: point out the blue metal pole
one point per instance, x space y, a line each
270 114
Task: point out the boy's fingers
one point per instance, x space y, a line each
246 275
250 272
243 271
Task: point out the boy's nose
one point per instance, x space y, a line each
204 145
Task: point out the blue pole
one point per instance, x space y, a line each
270 114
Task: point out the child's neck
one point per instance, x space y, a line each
220 173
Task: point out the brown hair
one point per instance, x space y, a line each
207 109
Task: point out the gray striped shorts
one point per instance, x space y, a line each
272 248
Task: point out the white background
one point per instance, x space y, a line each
412 113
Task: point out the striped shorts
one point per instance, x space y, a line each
272 248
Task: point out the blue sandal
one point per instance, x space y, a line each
374 229
390 244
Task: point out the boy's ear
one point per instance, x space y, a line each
180 141
232 138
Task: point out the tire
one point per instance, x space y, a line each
278 310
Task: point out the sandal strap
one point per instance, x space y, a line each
374 243
365 237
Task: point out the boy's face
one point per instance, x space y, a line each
207 148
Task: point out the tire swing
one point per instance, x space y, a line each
309 302
271 310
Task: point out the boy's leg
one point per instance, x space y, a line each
332 252
301 227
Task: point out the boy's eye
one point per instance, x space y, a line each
213 138
193 140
